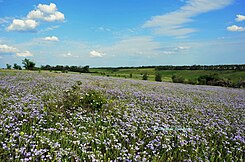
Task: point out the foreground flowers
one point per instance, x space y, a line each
140 120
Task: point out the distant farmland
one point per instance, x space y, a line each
137 73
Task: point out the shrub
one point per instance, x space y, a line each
8 66
210 79
192 81
158 77
131 75
93 100
145 76
17 67
74 100
178 79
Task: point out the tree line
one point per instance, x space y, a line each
184 67
27 64
80 69
30 65
203 67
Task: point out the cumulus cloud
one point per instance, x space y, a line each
51 38
7 49
24 54
43 12
96 54
22 25
51 8
172 24
46 13
240 18
235 28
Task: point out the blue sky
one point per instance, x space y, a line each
122 32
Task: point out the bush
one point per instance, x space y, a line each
192 81
158 77
239 84
74 100
8 66
210 79
178 79
145 76
17 67
93 100
131 75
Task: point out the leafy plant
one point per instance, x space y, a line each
178 79
158 77
29 65
145 76
93 99
8 66
17 67
74 99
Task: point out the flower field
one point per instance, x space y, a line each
72 117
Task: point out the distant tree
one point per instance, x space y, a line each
8 66
178 79
86 69
130 75
17 67
158 77
29 65
145 76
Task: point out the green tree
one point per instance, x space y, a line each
86 69
8 66
29 65
17 67
158 77
178 79
145 76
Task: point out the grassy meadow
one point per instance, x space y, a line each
80 117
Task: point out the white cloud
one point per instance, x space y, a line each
24 54
145 46
135 46
235 28
22 25
70 55
3 20
96 54
46 13
51 8
12 50
183 47
240 18
51 38
172 24
7 49
43 12
67 55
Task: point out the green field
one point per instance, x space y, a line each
233 75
